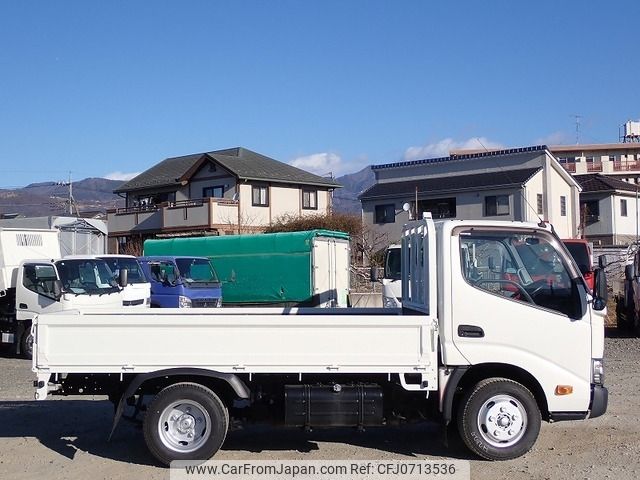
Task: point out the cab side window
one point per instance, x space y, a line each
39 278
523 268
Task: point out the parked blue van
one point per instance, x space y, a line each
182 282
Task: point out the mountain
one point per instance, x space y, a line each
345 199
52 198
96 194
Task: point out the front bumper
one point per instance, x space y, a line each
599 401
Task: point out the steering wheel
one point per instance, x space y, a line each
538 286
521 290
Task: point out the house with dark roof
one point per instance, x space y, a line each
215 193
608 209
524 184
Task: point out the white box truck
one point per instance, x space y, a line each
472 343
33 280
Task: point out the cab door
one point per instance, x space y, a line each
34 290
517 301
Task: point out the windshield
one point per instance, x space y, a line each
392 263
86 277
196 270
135 274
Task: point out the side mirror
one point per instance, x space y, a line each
629 272
600 291
373 274
57 290
123 280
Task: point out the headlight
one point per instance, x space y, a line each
597 371
390 302
184 302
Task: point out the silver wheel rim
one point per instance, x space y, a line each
502 421
184 426
29 345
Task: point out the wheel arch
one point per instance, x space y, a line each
227 385
466 377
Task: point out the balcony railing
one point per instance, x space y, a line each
208 213
594 166
625 166
569 167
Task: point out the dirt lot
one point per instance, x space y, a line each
67 438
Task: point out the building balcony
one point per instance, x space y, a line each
594 167
188 215
626 166
569 167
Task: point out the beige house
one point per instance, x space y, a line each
222 192
524 184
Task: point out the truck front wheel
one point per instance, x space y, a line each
26 344
185 421
499 419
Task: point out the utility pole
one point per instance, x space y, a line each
70 195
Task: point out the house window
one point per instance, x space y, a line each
260 196
590 212
214 192
495 205
310 199
623 207
385 213
563 206
439 207
540 205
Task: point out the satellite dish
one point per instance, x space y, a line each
406 207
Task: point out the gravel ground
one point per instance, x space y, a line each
66 438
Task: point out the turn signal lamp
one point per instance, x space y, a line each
564 389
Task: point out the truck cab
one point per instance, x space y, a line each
137 292
582 252
72 283
182 282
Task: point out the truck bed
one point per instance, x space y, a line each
260 340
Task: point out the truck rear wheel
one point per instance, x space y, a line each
185 421
499 419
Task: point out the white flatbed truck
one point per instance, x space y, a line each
495 354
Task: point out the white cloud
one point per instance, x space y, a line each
121 176
555 138
320 163
443 147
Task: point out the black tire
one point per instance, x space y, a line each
499 419
26 344
197 411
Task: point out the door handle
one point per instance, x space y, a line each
470 331
23 306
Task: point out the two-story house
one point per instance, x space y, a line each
222 192
608 209
523 184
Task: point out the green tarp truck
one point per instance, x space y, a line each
308 268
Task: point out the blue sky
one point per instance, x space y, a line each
111 88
